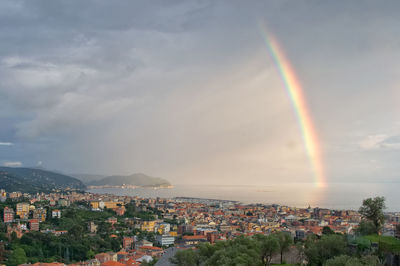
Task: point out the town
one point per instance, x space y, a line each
111 230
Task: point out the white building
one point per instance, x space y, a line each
56 214
165 240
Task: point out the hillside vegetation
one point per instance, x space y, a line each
30 180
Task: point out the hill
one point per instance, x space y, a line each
31 180
87 178
139 180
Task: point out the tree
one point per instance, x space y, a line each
269 246
326 230
345 260
240 251
397 232
372 210
366 227
285 241
2 252
329 246
185 258
17 257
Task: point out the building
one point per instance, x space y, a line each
120 211
8 215
92 262
122 256
34 224
163 228
193 240
103 257
127 243
23 210
151 251
112 220
165 240
97 205
92 227
112 263
63 202
148 226
3 195
144 243
113 256
300 234
40 214
56 214
113 204
15 195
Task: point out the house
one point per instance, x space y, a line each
23 210
193 240
120 211
112 263
112 220
92 227
63 202
40 214
144 243
145 258
34 224
113 256
8 215
44 264
103 257
113 204
127 243
92 262
165 240
151 251
56 213
122 256
60 232
148 226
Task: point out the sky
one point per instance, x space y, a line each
187 90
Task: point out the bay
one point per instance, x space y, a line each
333 195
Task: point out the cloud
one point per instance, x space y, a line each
187 89
6 143
12 164
381 141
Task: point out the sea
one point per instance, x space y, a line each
340 196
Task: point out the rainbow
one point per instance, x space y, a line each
296 95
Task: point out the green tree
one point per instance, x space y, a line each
318 251
345 260
397 232
366 227
17 257
269 246
372 210
326 230
186 257
285 241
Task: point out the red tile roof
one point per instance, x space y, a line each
112 263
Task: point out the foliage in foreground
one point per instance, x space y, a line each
345 260
258 250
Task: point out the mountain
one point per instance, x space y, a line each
87 178
31 180
140 180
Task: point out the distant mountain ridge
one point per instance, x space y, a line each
138 179
87 178
33 180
